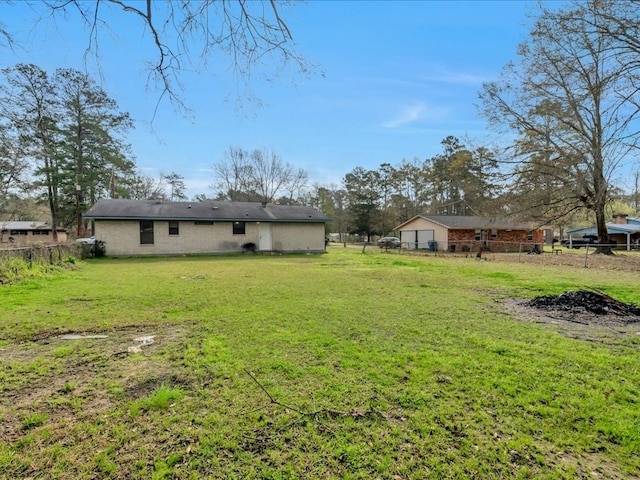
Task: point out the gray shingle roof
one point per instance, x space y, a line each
483 223
112 209
26 225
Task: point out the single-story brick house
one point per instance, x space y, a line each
155 227
29 233
459 233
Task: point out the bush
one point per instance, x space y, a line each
21 264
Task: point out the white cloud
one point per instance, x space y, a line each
445 75
414 113
408 114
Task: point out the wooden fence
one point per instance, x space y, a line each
53 253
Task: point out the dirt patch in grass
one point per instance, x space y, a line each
628 262
587 465
584 315
84 377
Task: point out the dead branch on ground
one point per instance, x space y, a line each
316 414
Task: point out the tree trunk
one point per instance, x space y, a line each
600 187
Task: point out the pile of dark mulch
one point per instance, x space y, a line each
585 301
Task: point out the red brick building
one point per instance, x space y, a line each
466 233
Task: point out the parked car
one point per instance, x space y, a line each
389 242
87 240
580 242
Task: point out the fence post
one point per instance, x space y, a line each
586 255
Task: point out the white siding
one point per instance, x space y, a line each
429 231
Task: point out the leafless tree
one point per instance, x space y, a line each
572 102
271 174
141 187
6 39
233 174
261 175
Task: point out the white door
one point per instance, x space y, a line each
264 242
424 237
408 239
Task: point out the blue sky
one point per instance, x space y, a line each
398 78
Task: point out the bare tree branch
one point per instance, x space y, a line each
255 40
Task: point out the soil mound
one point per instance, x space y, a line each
582 301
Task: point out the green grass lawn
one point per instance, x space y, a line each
343 365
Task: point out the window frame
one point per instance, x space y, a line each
146 232
174 228
239 228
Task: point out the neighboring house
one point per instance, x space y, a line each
29 233
154 227
624 231
466 233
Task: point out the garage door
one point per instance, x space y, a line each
408 238
424 237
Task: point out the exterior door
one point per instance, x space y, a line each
409 239
424 237
264 242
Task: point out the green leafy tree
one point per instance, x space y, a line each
176 186
69 131
13 174
29 104
413 189
462 179
365 200
93 154
331 201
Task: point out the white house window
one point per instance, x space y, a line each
477 235
238 228
530 235
15 233
174 228
146 232
494 233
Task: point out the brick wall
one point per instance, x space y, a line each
504 240
122 238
